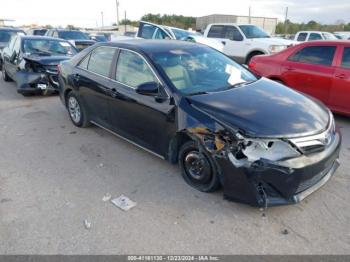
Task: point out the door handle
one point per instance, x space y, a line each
290 69
77 77
341 76
114 93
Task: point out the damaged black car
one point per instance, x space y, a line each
31 61
264 143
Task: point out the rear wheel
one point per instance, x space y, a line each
76 110
5 76
198 168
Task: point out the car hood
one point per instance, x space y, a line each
214 43
264 109
46 60
274 41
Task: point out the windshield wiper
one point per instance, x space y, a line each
240 84
198 93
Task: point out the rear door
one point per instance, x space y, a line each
92 78
310 70
340 92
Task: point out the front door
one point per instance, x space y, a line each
146 120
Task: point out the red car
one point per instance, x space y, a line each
320 69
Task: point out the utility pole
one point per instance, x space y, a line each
285 21
117 6
250 15
102 19
125 21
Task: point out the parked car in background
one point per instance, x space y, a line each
153 31
98 38
190 104
37 31
130 34
32 62
320 69
305 36
243 41
5 35
342 35
79 39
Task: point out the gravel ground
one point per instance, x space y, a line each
53 176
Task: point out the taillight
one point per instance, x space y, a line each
252 64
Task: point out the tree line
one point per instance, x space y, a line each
292 28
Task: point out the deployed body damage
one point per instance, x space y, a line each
262 172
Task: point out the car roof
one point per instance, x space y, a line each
150 46
313 32
325 42
41 37
66 30
11 29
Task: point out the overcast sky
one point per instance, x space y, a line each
88 13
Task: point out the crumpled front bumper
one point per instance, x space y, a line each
31 82
267 183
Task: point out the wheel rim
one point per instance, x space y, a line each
74 109
197 167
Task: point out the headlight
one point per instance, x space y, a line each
273 150
277 48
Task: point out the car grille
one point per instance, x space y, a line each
316 143
314 180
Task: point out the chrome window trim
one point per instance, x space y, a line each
114 80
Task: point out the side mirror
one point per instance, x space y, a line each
148 89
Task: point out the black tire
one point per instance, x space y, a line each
206 180
5 76
27 94
79 119
251 55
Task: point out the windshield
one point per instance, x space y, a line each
182 34
194 70
5 35
329 36
48 47
73 35
252 31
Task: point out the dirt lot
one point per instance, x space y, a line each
53 176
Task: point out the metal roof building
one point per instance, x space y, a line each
267 23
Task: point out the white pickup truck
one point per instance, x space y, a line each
243 41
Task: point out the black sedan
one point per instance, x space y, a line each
32 62
264 143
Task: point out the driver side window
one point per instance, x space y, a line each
132 70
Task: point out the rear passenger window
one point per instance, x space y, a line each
302 37
346 58
101 60
132 70
315 36
216 31
84 64
318 55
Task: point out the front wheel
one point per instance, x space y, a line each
5 76
198 168
76 110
